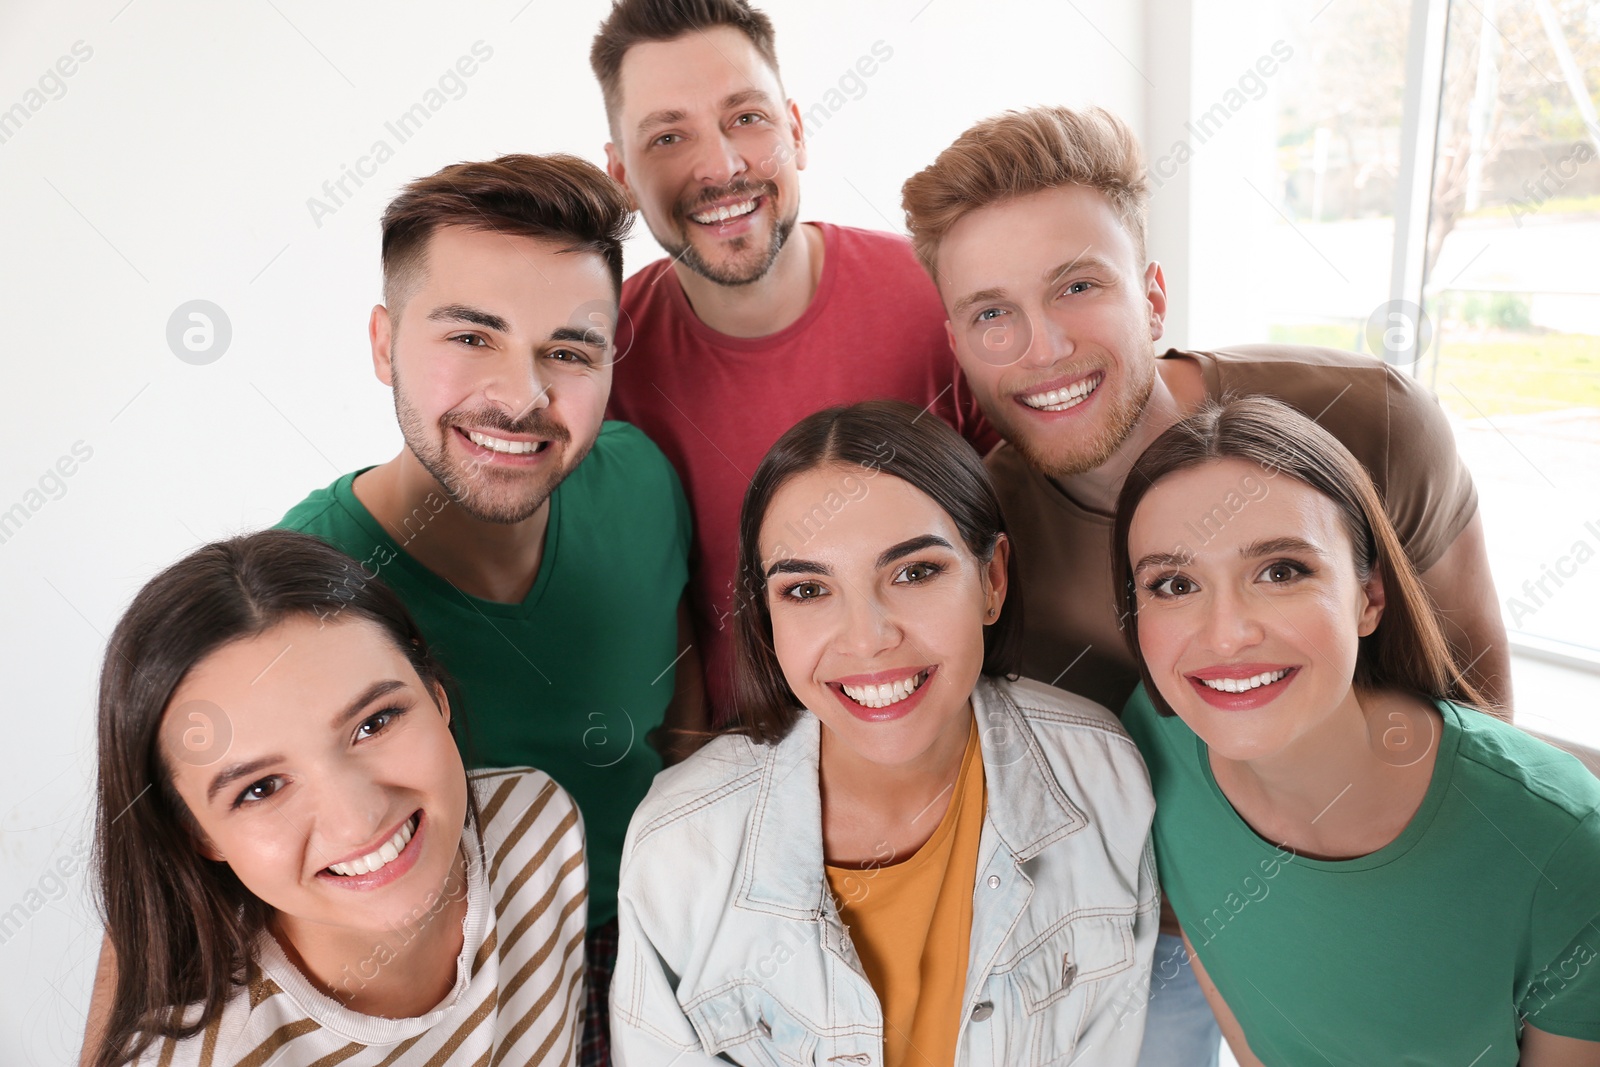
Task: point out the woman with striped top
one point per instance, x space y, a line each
294 866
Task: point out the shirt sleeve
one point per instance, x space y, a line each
1427 489
1564 996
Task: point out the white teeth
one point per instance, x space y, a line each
723 214
500 444
1240 685
385 855
1062 399
881 696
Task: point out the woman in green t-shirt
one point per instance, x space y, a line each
1368 868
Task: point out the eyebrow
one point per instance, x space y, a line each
667 116
235 771
886 557
1051 276
575 336
464 313
1271 547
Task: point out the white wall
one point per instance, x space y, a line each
175 164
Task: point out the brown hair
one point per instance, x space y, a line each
1022 152
182 926
557 198
889 437
634 22
1407 650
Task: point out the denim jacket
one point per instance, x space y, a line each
731 948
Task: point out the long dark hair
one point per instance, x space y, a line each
1407 651
888 437
183 926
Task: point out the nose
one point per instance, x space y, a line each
1051 342
868 627
719 161
520 385
351 810
1231 621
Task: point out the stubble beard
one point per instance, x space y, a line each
743 268
1122 416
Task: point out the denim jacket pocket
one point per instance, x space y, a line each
1058 981
748 1025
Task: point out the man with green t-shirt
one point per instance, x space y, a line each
542 550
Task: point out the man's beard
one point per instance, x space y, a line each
1122 416
741 271
488 495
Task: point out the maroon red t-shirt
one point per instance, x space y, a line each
715 404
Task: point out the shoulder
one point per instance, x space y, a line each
876 250
322 511
718 784
1070 728
624 463
1301 374
1555 787
519 804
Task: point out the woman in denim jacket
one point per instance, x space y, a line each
899 856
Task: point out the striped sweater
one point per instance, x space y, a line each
519 979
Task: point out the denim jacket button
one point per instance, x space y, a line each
994 881
982 1011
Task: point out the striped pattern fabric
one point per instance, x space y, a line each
519 990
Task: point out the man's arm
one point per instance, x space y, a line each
1464 599
105 986
685 726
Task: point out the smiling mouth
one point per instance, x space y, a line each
1244 685
883 696
1068 397
382 857
503 445
726 212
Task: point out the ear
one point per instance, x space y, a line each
441 699
380 331
995 578
203 845
1373 601
950 337
619 172
1155 290
797 132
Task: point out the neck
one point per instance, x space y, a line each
768 304
1341 790
489 560
400 973
1176 391
871 812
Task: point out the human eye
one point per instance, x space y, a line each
1170 586
1283 572
567 355
666 139
471 340
377 722
1080 286
804 591
917 573
990 314
752 117
258 791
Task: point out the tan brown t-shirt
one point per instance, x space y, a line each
1389 421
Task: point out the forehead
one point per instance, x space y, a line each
1014 242
1217 508
690 73
300 670
837 512
477 267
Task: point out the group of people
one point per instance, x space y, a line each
859 538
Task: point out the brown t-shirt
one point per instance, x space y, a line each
1389 421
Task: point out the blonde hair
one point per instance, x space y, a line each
1021 152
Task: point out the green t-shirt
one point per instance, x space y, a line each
1485 909
572 679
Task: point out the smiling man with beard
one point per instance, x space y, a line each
543 551
756 319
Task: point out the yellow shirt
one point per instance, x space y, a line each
911 924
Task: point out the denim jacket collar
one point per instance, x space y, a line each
782 873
